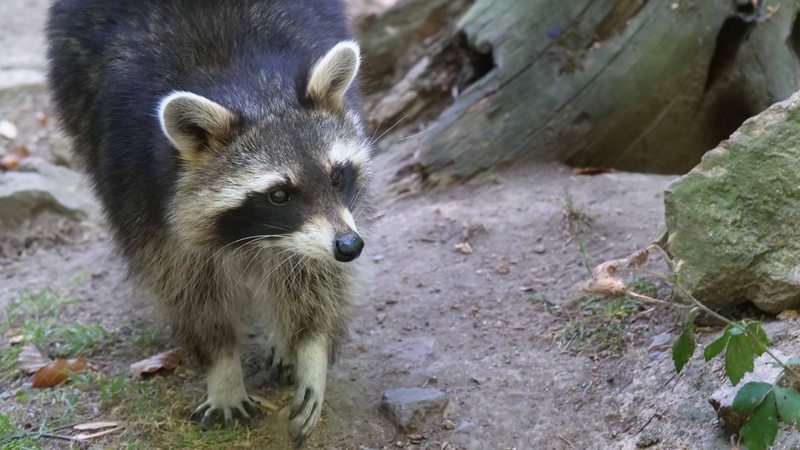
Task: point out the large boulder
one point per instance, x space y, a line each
42 191
733 222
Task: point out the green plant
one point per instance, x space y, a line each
741 341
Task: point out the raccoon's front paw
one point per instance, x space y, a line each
212 413
304 414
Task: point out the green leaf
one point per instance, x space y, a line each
758 331
788 401
761 428
683 347
715 348
738 357
750 395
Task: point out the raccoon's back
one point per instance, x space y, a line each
112 61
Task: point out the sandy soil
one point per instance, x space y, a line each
433 316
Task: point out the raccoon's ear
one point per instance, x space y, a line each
332 74
194 124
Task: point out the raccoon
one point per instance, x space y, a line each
225 143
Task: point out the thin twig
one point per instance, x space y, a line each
565 440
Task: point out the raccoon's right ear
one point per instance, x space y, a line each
194 124
332 75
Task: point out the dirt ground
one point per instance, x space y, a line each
489 328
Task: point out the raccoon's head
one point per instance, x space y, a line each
293 179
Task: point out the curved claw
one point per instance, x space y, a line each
210 415
304 415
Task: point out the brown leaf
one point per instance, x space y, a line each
58 371
42 118
157 364
592 170
12 160
604 277
32 359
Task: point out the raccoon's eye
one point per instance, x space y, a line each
278 197
336 177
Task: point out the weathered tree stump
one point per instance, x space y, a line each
633 84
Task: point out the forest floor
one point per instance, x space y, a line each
526 359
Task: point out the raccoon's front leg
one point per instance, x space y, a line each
311 371
227 397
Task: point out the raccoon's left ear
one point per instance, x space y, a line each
333 74
194 124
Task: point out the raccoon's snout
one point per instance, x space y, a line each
347 247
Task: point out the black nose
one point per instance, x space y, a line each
347 247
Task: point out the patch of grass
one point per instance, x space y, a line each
36 318
153 412
13 438
576 214
600 324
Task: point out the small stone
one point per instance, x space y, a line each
464 248
410 408
378 258
647 439
415 438
503 269
539 249
660 342
8 130
381 317
448 425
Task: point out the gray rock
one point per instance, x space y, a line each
722 398
732 222
660 342
411 409
39 187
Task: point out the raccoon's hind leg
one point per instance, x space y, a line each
311 370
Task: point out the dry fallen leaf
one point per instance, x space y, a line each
788 314
11 160
160 363
604 277
94 426
106 427
58 371
16 340
32 359
592 170
8 130
264 403
464 248
42 118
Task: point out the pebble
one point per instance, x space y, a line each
411 408
464 248
660 342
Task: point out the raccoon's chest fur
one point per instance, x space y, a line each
224 141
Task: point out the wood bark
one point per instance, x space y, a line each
631 84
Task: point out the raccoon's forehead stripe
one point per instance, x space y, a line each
342 152
235 190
